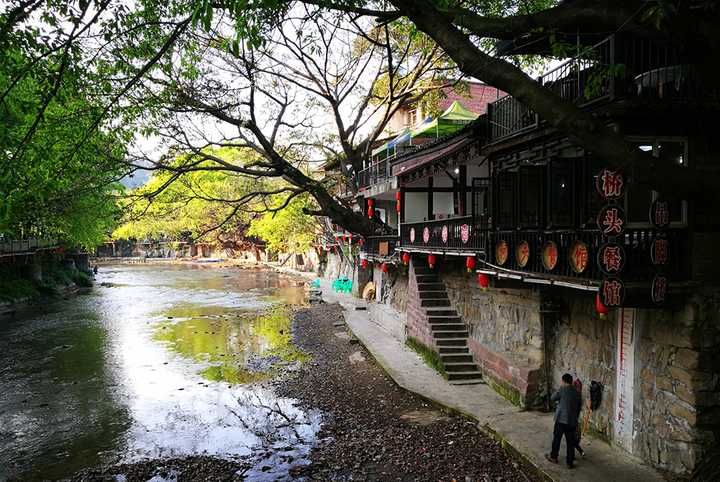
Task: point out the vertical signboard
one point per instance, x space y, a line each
625 374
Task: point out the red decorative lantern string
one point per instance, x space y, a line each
370 203
363 264
384 268
361 241
406 258
470 263
601 309
431 260
483 280
397 202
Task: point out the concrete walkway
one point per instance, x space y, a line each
526 433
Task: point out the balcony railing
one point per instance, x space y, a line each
376 173
636 243
452 234
380 246
617 66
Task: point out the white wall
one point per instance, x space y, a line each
443 203
415 206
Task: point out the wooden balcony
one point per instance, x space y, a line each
456 235
380 247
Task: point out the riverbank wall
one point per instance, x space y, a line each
30 277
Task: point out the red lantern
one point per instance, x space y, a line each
406 258
601 309
350 238
384 268
337 238
361 241
397 202
363 263
483 280
431 260
470 263
344 238
371 203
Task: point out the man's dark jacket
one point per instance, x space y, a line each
568 404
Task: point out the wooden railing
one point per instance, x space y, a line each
376 173
373 245
452 234
636 243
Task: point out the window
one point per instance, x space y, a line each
561 189
481 201
505 208
531 186
410 118
640 197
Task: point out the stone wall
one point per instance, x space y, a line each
679 424
584 345
418 325
505 332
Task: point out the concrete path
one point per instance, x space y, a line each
526 433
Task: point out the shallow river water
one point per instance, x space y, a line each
156 361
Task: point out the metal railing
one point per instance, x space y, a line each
452 234
620 65
376 173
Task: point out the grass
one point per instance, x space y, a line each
430 356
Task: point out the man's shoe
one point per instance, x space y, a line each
551 458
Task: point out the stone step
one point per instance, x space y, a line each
432 294
423 270
427 278
451 342
431 287
472 381
460 367
456 358
434 302
475 375
453 350
444 319
441 311
448 327
450 334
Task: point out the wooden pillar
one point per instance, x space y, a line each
430 199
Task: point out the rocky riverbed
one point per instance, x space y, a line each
374 430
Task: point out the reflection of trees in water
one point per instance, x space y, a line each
273 422
64 414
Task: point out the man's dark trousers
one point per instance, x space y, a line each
569 432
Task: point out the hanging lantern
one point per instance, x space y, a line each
470 263
363 263
431 260
483 280
344 238
397 202
601 309
370 203
361 241
384 267
337 239
406 258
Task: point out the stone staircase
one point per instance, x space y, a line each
448 329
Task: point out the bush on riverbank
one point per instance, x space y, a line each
17 285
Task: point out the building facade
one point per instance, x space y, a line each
522 257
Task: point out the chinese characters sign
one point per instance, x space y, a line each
612 292
658 289
611 258
611 220
610 184
522 254
660 213
579 255
659 251
550 255
501 252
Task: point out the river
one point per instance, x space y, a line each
155 361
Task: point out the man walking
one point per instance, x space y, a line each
565 420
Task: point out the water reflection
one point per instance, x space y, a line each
154 364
